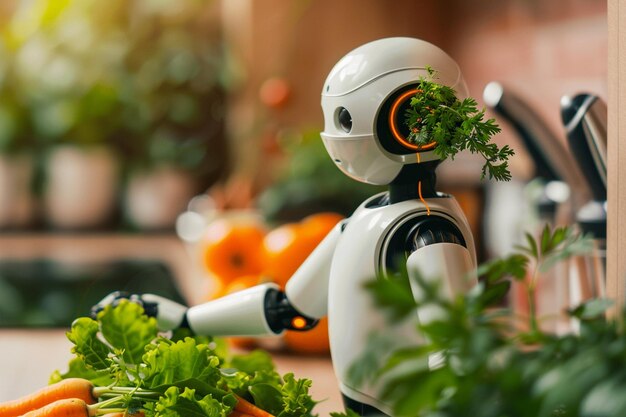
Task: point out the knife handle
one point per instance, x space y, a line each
584 134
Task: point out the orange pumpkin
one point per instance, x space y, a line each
232 249
285 248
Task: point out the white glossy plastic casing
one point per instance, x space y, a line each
170 314
307 289
238 314
360 82
359 257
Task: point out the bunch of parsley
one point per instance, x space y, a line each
437 115
181 376
493 363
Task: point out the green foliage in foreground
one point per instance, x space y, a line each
494 364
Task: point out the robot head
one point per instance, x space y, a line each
364 101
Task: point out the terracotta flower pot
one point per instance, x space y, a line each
81 187
17 202
154 199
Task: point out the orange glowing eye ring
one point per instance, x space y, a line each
394 129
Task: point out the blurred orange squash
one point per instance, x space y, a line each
232 249
286 247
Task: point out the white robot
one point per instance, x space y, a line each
364 100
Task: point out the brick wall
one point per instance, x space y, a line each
541 49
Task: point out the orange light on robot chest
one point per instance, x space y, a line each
298 322
397 135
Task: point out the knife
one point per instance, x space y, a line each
552 160
585 120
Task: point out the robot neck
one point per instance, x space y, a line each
413 180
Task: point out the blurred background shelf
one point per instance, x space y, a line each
46 280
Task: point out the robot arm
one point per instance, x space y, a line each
257 311
264 309
449 263
439 253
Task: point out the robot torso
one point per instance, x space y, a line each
374 237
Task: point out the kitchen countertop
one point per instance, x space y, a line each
29 356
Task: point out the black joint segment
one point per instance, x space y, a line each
361 408
185 323
433 230
112 299
280 315
417 233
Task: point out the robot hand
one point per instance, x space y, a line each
169 315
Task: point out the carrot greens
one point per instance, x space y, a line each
179 376
437 115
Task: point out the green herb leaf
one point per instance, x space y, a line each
512 266
127 328
295 396
255 361
87 346
437 115
592 309
78 369
268 397
185 404
168 363
393 296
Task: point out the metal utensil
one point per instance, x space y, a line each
552 160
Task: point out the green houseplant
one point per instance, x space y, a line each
493 361
70 99
17 163
178 146
119 89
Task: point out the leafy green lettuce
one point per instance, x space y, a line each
184 376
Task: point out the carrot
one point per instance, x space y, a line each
236 413
68 388
68 407
246 407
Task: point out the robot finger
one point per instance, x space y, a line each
111 299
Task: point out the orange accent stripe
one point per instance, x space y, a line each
419 192
419 158
394 130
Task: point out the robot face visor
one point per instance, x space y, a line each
360 157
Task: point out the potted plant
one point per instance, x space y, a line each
174 74
72 107
17 161
127 86
82 168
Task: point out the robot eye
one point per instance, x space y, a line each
344 119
